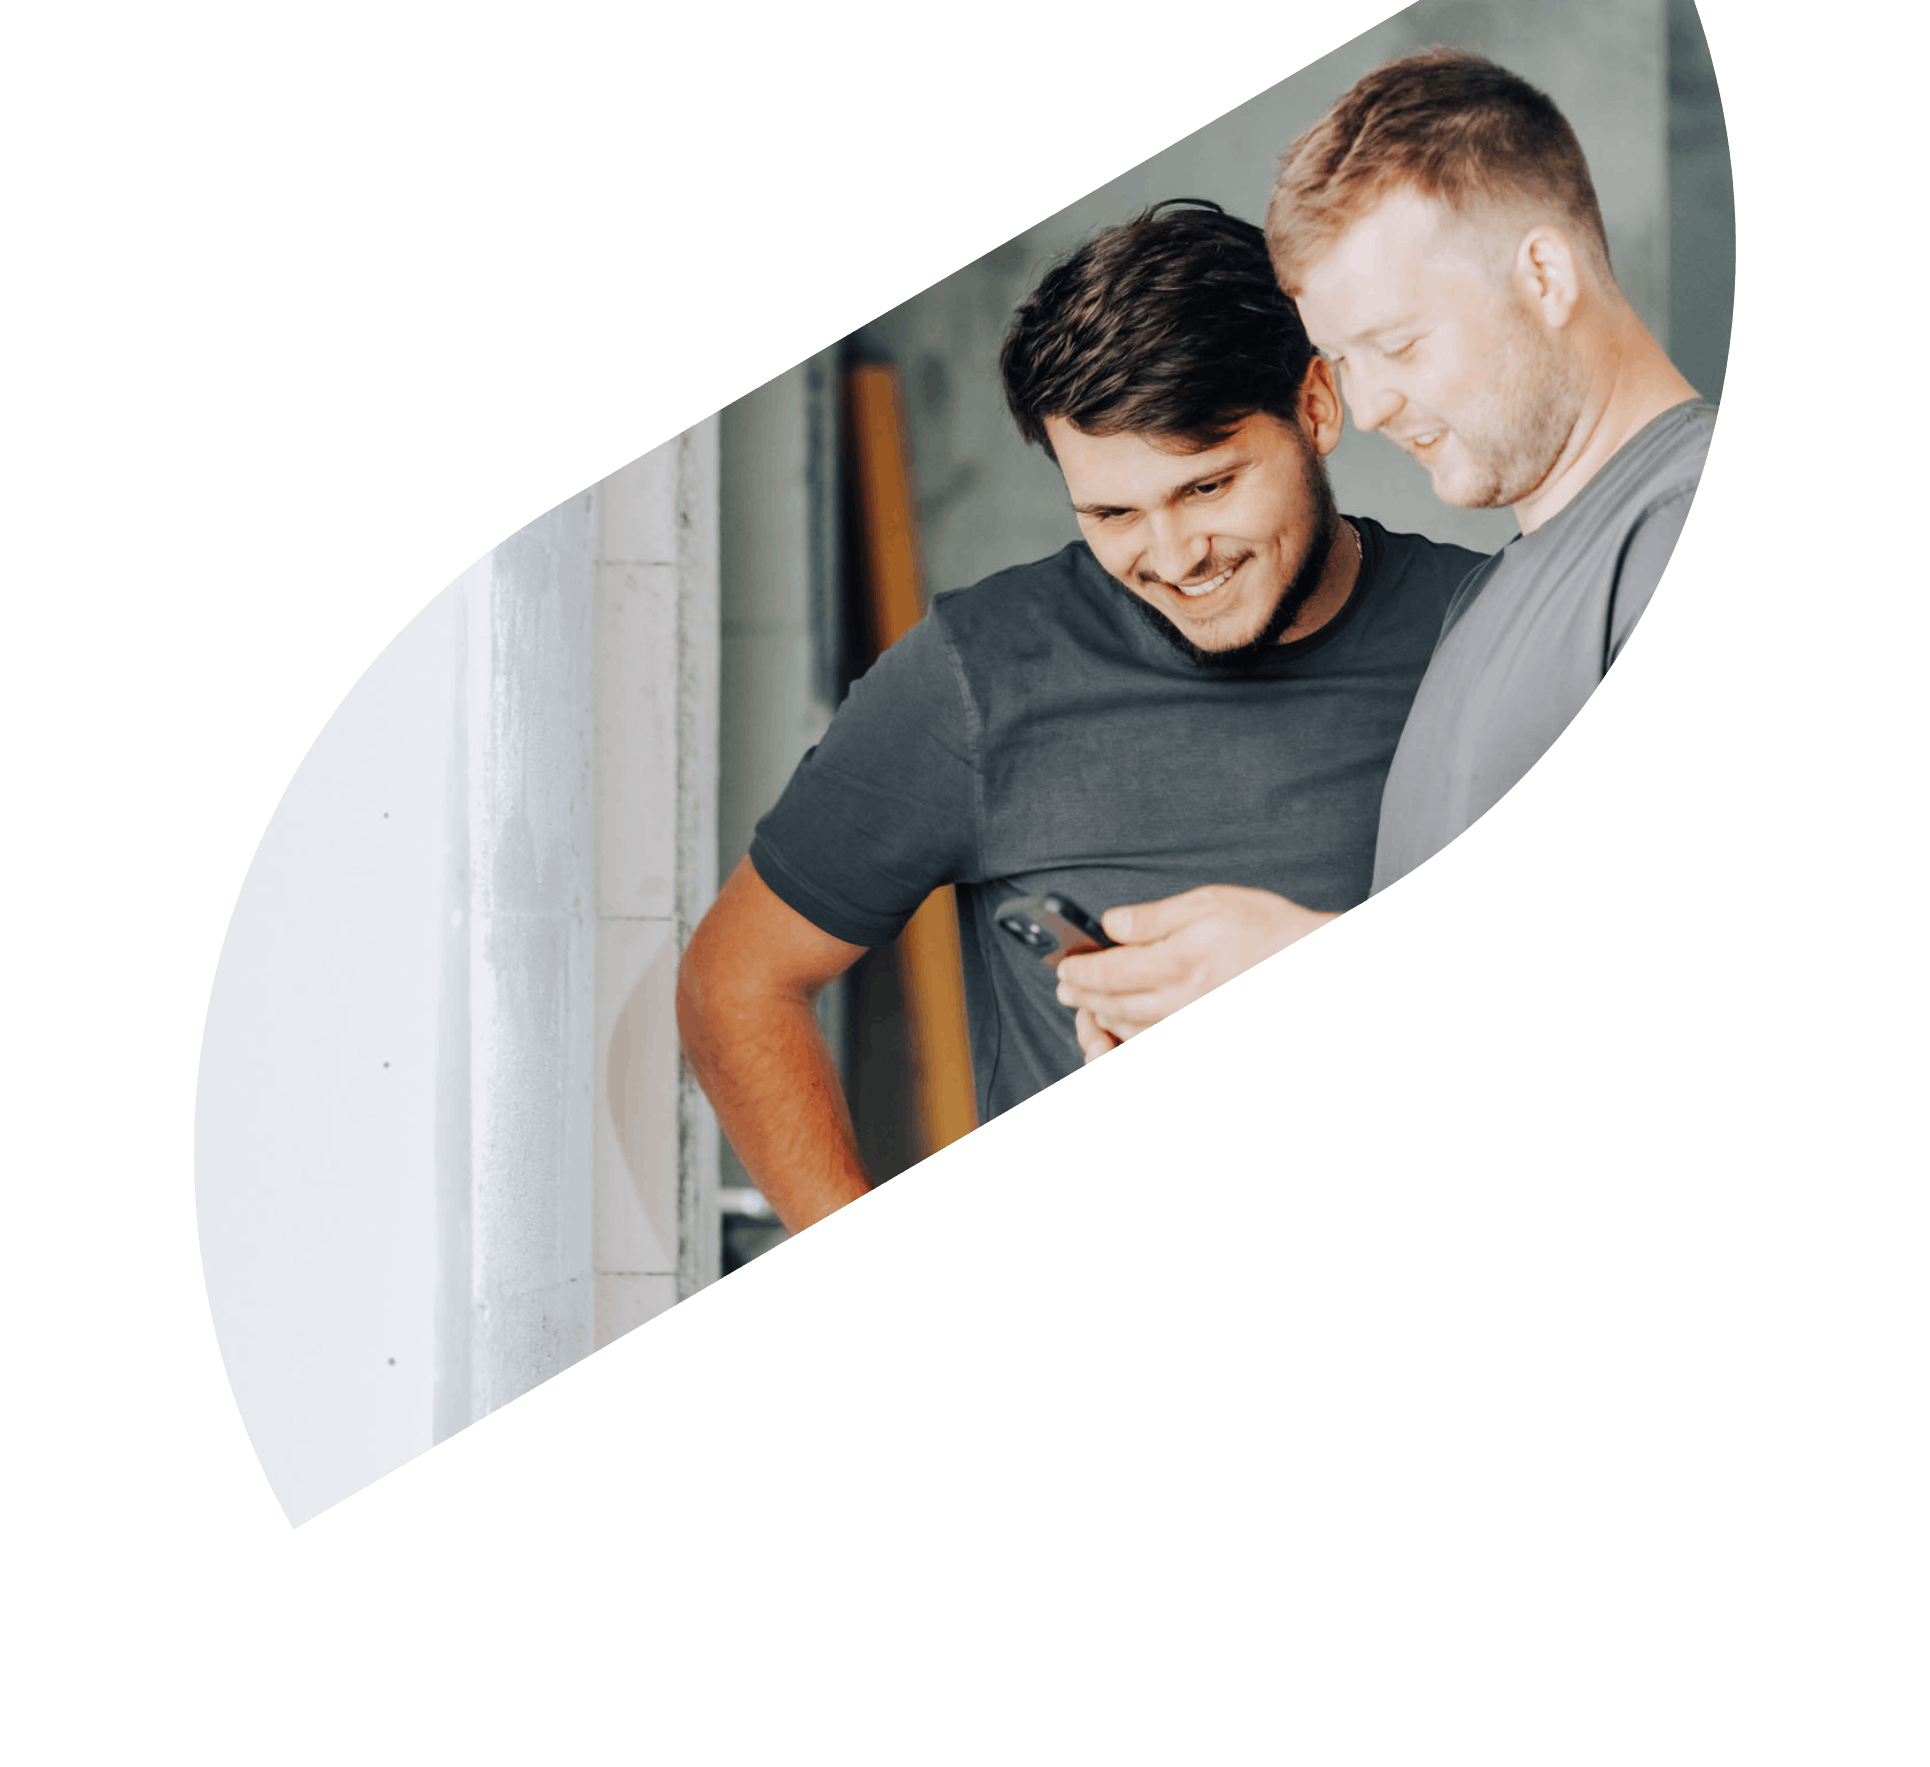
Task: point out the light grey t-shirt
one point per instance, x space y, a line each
1529 636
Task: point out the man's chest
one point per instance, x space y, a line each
1518 665
1245 781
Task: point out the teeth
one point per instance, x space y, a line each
1205 588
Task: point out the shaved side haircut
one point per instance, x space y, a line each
1448 124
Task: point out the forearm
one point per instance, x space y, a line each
764 1064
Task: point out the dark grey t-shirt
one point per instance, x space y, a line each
1530 635
1032 733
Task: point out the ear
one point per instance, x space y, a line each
1321 412
1547 274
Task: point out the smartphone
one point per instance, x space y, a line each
1053 927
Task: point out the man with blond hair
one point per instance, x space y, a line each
1440 234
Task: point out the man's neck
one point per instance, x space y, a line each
1633 384
1337 579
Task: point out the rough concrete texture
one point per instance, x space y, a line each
446 1143
531 990
654 1179
698 670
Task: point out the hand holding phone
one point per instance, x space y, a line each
1052 926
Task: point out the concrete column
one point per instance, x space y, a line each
656 684
530 970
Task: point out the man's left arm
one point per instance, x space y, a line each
1645 556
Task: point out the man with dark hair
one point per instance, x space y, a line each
1440 233
1209 685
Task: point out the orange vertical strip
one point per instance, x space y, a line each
941 1050
885 502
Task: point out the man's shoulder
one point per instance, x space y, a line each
1661 463
1072 563
1418 567
1419 553
1026 603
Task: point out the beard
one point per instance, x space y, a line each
1294 594
1513 443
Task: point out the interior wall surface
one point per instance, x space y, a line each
656 714
320 1115
444 1143
531 838
1702 208
987 501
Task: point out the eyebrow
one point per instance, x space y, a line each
1205 478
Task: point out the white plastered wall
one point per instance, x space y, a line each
444 1144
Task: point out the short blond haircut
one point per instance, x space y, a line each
1446 123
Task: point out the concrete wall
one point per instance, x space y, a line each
657 662
444 1145
531 977
986 501
1702 208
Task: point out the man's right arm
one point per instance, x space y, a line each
745 991
1171 952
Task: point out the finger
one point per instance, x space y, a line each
1126 1015
1094 1038
1098 975
1138 923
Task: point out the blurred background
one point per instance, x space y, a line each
445 1146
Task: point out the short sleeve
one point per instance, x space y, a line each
1645 556
883 810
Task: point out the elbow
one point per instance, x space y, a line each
694 985
720 989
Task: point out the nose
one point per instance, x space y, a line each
1174 550
1370 399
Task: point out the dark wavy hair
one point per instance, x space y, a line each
1171 324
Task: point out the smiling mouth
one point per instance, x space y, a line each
1194 591
1421 441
